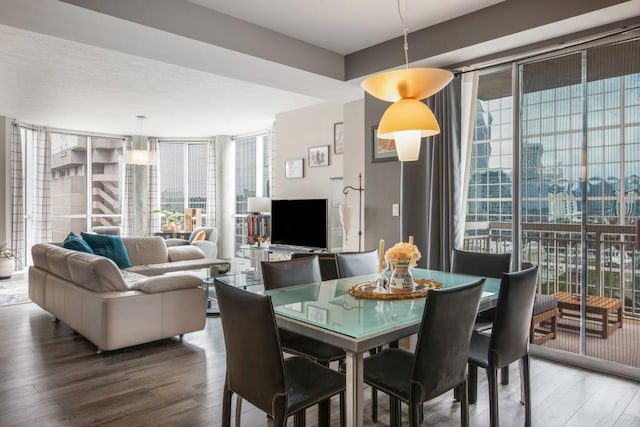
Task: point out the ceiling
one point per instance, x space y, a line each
94 66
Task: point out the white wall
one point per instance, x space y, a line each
295 132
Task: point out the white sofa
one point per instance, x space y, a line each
116 308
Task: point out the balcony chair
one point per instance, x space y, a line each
279 274
440 359
256 369
508 342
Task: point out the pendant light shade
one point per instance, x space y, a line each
416 83
405 115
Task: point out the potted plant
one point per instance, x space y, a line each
8 257
173 220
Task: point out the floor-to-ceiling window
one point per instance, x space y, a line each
578 117
183 176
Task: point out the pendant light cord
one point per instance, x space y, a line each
405 31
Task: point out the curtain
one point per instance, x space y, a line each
16 193
468 100
432 184
42 223
153 193
211 184
129 192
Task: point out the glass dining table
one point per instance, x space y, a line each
326 311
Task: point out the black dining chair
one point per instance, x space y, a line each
487 265
327 260
357 263
279 274
508 342
256 369
439 362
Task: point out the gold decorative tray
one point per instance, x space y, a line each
365 290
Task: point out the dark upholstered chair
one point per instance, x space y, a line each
327 260
279 274
357 263
256 369
439 362
509 340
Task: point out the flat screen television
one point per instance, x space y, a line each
300 222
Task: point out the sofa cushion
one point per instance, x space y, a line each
75 243
166 283
146 250
184 253
110 247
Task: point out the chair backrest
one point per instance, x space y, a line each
510 333
357 263
480 263
255 365
327 260
442 349
211 234
280 274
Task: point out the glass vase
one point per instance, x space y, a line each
401 277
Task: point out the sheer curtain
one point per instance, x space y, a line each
129 192
42 223
211 183
16 192
431 203
153 194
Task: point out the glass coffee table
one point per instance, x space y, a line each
239 280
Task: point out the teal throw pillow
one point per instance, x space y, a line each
108 246
75 243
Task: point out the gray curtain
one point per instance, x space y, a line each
429 185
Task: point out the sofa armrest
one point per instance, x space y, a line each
210 249
166 283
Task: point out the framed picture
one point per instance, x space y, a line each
382 150
317 314
338 138
294 168
319 156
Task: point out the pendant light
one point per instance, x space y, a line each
408 119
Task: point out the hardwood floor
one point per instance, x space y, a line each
53 376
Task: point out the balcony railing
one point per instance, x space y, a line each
612 262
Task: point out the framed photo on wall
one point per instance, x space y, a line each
382 150
338 138
319 156
294 168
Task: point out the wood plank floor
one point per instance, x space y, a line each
51 376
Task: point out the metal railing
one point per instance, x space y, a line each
613 263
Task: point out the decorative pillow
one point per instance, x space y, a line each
75 243
201 235
110 247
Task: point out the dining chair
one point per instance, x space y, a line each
487 265
297 271
439 362
256 369
508 342
357 263
327 260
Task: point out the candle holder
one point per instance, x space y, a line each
382 284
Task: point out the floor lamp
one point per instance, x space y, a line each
360 190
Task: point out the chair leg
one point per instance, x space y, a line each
299 419
395 412
324 413
464 403
492 377
414 414
226 406
343 411
238 409
504 374
472 384
527 390
374 404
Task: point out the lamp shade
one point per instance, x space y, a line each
416 83
258 204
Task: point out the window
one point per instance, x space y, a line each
183 175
